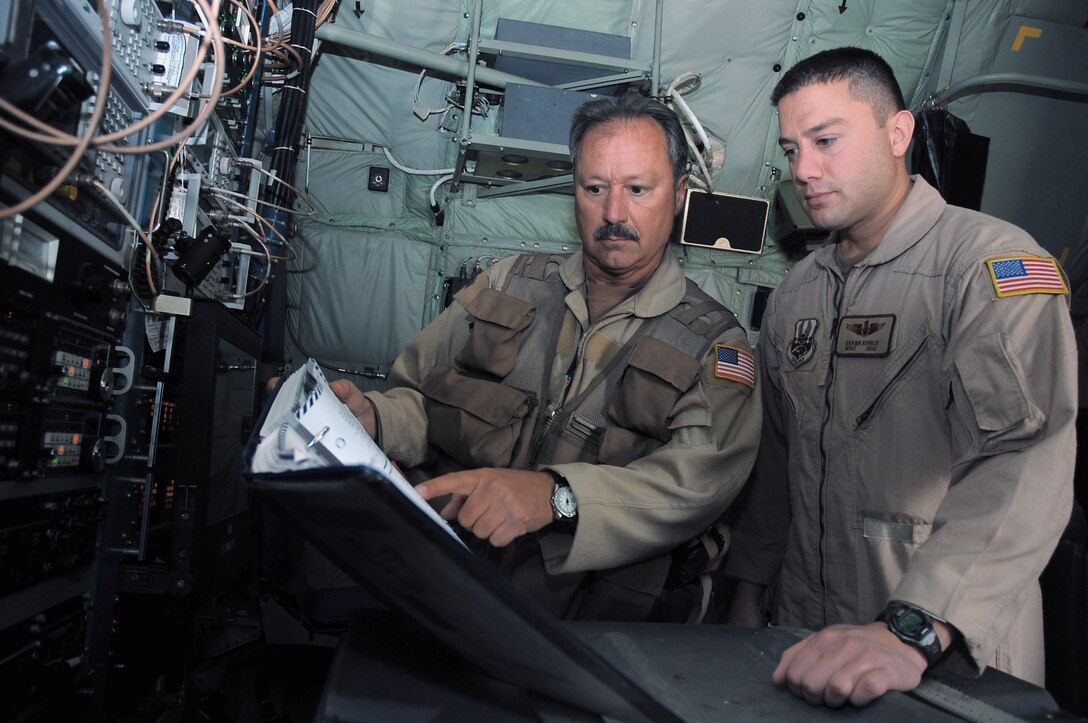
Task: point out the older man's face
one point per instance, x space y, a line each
625 200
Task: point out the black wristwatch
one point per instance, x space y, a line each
564 504
915 628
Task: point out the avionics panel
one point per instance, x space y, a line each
118 483
62 308
45 536
56 82
37 665
181 508
62 312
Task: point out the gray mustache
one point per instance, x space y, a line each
615 230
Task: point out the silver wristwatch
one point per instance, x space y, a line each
564 504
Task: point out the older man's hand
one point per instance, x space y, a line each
357 404
855 663
353 399
497 505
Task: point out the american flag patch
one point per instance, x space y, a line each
1026 275
735 364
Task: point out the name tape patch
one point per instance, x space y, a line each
871 335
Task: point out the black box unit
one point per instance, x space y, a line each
218 398
533 113
555 72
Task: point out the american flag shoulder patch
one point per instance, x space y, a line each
734 363
1017 275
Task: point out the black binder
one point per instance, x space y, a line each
388 545
629 672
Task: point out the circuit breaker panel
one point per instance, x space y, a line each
135 263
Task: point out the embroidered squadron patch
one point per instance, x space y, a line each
1018 275
866 335
803 345
734 363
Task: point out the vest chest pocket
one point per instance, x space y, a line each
498 320
474 421
656 376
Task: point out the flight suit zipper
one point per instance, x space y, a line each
824 456
864 416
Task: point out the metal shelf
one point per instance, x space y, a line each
507 165
621 70
498 161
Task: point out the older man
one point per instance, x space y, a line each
589 413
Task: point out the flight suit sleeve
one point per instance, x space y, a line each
1012 403
654 503
760 520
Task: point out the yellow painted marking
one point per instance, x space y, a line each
1026 31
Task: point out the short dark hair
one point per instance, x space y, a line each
871 78
625 108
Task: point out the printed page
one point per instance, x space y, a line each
308 426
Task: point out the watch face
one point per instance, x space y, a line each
565 502
911 622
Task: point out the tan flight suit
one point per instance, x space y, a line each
652 465
921 428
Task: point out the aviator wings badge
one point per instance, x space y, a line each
803 345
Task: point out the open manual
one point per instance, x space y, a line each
306 427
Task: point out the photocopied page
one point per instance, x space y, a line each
307 426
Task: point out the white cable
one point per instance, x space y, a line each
683 104
425 113
434 188
421 112
416 171
224 192
691 79
271 227
256 166
151 252
267 254
694 124
707 181
691 82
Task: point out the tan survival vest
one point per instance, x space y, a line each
483 411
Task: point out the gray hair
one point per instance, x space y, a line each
630 107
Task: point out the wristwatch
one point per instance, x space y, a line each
915 628
564 504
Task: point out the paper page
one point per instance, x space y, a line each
307 426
